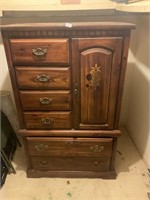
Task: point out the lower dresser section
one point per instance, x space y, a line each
70 163
70 157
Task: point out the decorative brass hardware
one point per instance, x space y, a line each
43 78
47 121
96 148
41 147
75 89
44 162
97 163
45 100
39 52
94 77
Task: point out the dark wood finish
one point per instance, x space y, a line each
71 133
57 51
68 85
112 165
31 173
45 100
56 78
125 50
70 163
118 26
47 120
97 105
100 147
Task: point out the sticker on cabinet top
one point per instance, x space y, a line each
69 25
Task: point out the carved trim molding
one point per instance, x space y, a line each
67 33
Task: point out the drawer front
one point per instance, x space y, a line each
70 163
47 120
40 51
45 78
45 100
44 146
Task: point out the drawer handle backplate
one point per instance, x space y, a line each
39 52
41 147
43 78
96 148
45 100
47 121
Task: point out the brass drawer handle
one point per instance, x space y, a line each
47 121
42 78
41 147
96 148
39 52
98 163
44 162
45 100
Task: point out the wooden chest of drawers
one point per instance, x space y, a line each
68 84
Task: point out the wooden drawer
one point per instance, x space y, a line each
40 51
43 78
46 146
45 100
70 163
47 120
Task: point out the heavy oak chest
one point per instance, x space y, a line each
68 82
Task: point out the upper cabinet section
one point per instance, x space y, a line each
88 60
40 51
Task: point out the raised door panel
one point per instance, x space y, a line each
94 91
96 78
70 163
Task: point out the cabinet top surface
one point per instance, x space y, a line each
69 26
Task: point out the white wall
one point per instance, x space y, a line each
136 99
4 74
138 114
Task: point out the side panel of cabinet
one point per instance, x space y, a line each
96 69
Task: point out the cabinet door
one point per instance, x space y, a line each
96 69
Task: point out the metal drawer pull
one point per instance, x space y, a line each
39 52
44 162
75 89
41 147
98 163
43 78
96 148
47 121
45 100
